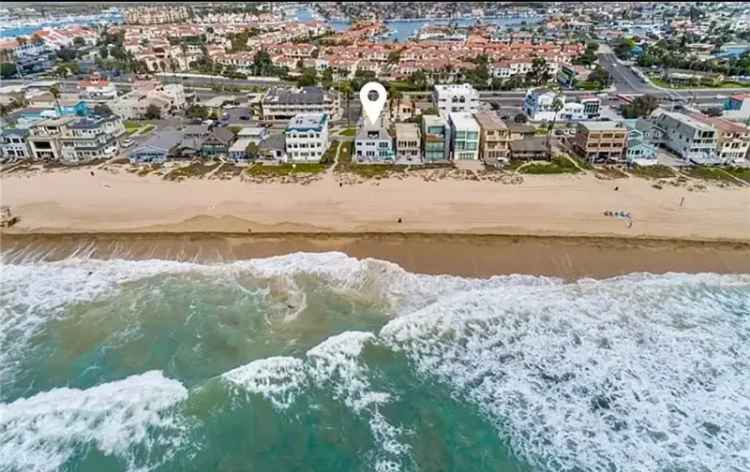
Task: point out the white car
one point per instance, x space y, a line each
721 97
127 143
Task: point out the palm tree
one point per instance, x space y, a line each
557 105
55 91
396 96
345 88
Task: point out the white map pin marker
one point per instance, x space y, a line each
373 97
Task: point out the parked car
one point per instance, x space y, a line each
127 143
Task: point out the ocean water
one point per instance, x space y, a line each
325 362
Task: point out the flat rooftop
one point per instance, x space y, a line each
306 121
490 121
463 120
602 125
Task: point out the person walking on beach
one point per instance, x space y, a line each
682 201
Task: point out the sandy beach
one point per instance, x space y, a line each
563 205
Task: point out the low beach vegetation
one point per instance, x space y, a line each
652 172
558 165
196 169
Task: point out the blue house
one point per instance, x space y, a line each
639 151
157 149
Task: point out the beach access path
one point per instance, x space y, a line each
570 205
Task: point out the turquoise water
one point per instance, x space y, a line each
325 362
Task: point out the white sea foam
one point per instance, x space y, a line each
40 433
635 373
278 379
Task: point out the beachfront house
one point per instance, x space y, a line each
156 149
436 137
732 139
464 136
94 137
494 139
14 144
639 151
692 140
44 137
217 143
455 98
408 143
530 149
601 142
306 137
373 144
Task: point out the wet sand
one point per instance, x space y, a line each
465 255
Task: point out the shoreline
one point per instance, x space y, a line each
468 255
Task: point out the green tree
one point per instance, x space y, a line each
102 109
103 52
520 118
7 69
252 150
640 107
394 57
262 63
309 77
153 112
55 91
623 48
79 42
539 73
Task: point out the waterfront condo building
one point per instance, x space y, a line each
436 136
455 98
306 137
283 104
601 142
408 143
689 138
494 138
464 136
14 144
732 139
373 144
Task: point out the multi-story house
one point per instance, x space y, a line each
306 137
408 143
44 137
639 151
373 144
689 138
464 136
732 139
455 98
538 104
436 136
284 104
14 144
601 142
494 138
95 137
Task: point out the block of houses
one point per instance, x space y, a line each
464 136
436 136
283 103
306 137
520 130
692 140
494 138
601 142
157 149
408 143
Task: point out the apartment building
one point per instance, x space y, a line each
373 144
689 138
464 136
436 136
455 98
307 137
284 104
494 138
408 143
732 139
133 105
44 137
601 142
94 137
538 104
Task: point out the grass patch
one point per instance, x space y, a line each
742 173
710 173
349 132
330 155
558 165
652 172
724 85
285 169
194 170
148 129
612 172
